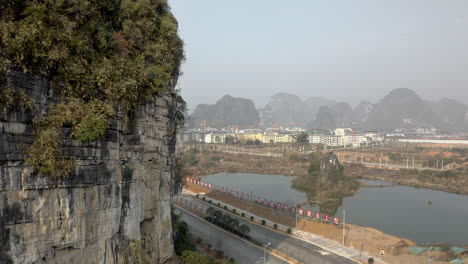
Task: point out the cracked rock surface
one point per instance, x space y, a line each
119 191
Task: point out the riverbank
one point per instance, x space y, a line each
373 241
296 164
419 179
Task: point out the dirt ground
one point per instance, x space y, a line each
373 241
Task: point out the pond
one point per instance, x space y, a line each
422 215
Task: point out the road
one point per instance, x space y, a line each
232 246
293 247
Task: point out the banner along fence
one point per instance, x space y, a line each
268 203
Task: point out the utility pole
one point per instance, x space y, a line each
264 252
344 225
296 217
360 246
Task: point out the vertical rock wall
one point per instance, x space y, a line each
119 191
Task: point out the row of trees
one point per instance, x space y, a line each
225 221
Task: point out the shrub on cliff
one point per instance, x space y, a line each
98 55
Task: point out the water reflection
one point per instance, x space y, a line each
398 210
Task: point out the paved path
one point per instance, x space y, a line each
306 249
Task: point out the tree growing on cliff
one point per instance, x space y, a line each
99 56
181 235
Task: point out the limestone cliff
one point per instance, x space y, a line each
119 190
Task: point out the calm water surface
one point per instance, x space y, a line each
398 210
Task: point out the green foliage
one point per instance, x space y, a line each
275 226
137 254
225 220
182 236
244 229
252 218
263 222
97 54
88 122
234 224
117 50
190 157
289 230
210 211
242 214
46 155
370 261
302 138
230 140
10 99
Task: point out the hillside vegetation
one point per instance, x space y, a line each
99 56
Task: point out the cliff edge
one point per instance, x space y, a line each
88 120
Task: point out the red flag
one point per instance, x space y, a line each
327 218
317 215
293 209
272 204
309 213
301 211
286 207
336 220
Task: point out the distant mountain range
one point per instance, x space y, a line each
401 108
227 111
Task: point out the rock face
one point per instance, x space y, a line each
227 111
119 191
284 108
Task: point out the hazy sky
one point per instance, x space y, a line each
345 50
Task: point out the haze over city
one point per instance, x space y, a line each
340 50
224 132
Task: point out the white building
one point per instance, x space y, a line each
215 138
327 140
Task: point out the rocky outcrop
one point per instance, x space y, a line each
119 191
227 111
284 109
